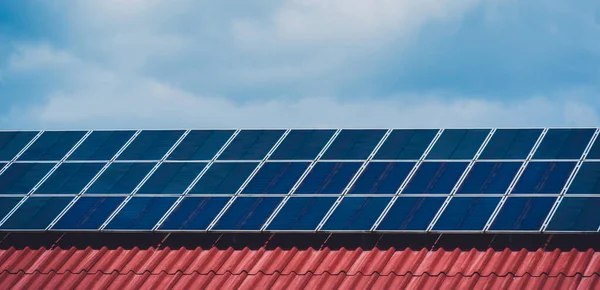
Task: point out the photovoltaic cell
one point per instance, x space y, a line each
141 213
52 146
328 178
251 145
564 144
247 213
224 178
511 144
587 180
172 178
544 177
194 213
121 178
69 178
523 214
578 214
101 145
405 144
356 213
151 145
458 144
11 143
435 177
302 145
7 204
36 213
301 213
594 150
353 144
276 177
20 178
88 213
382 177
201 145
466 214
411 213
490 177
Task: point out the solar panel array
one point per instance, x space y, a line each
389 180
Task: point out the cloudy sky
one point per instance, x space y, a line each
299 63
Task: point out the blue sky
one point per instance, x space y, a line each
299 63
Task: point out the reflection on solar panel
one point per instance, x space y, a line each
302 180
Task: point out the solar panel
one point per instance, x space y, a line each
302 180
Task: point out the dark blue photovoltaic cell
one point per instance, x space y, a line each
11 143
587 180
36 213
356 214
121 178
435 177
301 213
490 177
523 213
251 145
353 144
151 145
224 178
382 177
248 213
458 144
405 144
194 213
511 144
302 145
564 144
411 213
52 145
201 145
69 178
172 178
466 214
328 178
276 177
595 150
101 145
20 178
544 177
576 214
88 213
7 204
141 213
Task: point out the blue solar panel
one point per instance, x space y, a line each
328 178
435 177
276 178
523 213
52 146
302 144
20 178
151 145
11 143
141 213
201 145
587 180
511 144
594 150
121 178
88 213
382 177
579 214
194 213
564 144
411 213
36 213
458 144
247 213
172 178
224 178
466 214
251 145
101 145
7 204
301 213
356 213
490 177
69 178
405 144
544 177
353 144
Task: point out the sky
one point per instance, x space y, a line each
108 64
